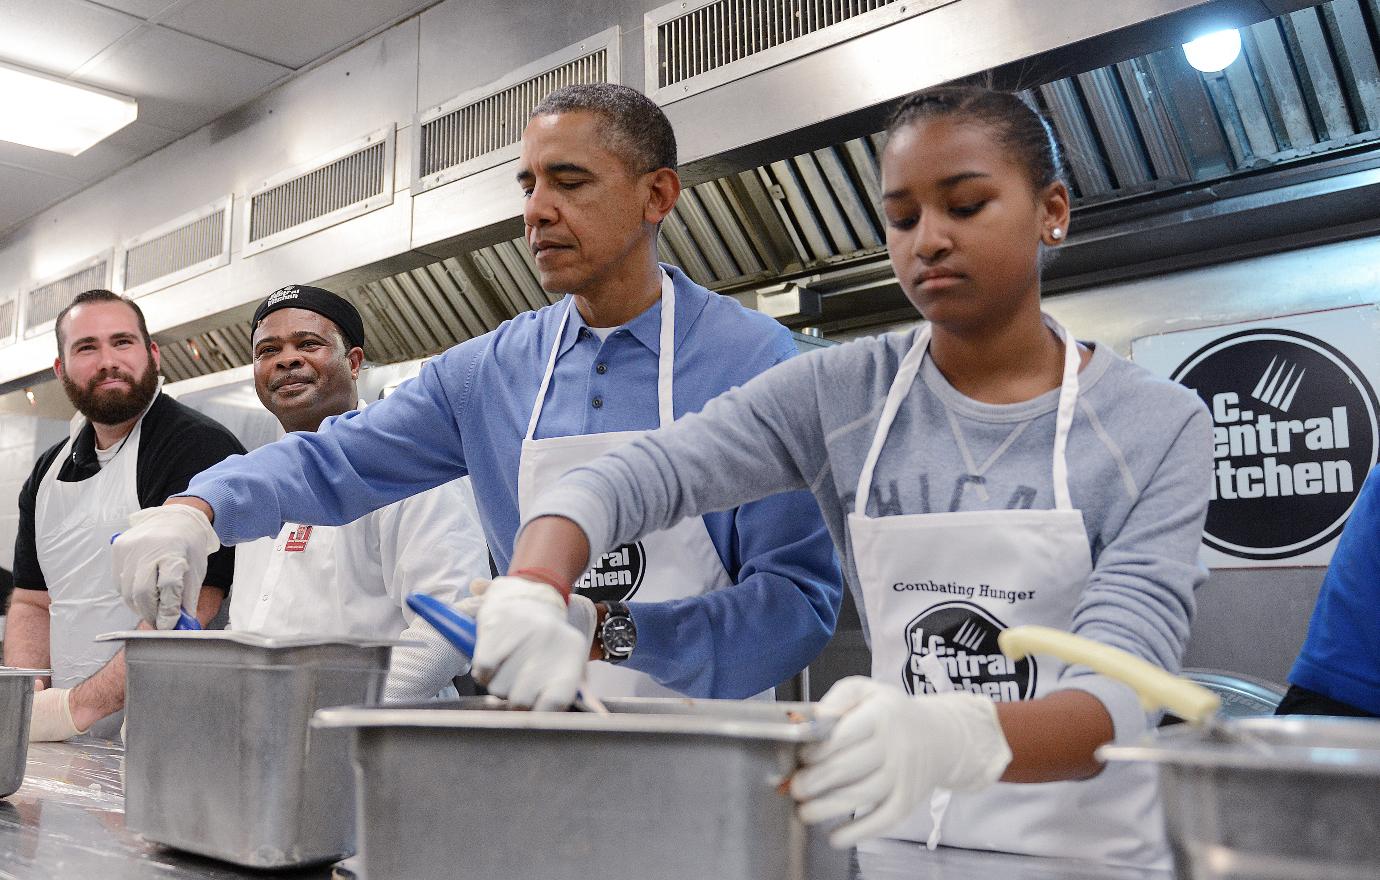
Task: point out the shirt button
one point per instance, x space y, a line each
601 369
597 403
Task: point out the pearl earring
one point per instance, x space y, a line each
1056 233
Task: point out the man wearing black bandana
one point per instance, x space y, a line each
352 579
130 448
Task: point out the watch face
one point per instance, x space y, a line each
619 636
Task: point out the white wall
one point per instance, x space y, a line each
22 438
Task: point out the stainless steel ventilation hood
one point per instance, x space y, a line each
779 143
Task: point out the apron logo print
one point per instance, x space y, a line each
616 576
963 638
297 540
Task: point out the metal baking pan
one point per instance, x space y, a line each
1299 798
220 757
16 708
672 789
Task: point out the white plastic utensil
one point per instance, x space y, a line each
1156 688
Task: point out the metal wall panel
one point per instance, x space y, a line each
43 302
348 182
468 43
701 45
483 127
196 242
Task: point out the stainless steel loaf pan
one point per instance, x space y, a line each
672 789
16 708
220 757
1298 797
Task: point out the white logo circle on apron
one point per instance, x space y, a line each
963 637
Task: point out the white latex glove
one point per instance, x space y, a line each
417 674
525 649
580 613
889 751
52 717
160 561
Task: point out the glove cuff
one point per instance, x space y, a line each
973 720
511 587
582 615
421 672
205 531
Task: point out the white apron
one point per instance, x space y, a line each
677 563
73 524
1022 567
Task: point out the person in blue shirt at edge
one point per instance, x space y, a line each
727 605
981 471
1338 670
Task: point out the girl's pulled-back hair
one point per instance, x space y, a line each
1021 129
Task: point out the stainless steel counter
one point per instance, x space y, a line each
68 821
895 860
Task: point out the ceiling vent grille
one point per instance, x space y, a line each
348 182
9 315
483 127
190 245
696 46
43 302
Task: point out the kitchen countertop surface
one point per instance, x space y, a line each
68 821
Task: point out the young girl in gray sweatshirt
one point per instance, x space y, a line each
1007 473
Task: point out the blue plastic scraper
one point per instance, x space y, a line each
457 628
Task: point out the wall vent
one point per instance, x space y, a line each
194 243
352 180
483 127
695 46
42 302
9 320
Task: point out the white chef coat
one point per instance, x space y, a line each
354 579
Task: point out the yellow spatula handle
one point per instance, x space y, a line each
1156 688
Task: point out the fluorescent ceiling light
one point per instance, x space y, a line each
54 114
1215 51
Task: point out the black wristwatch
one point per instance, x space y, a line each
618 633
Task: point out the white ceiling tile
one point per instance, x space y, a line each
292 34
141 8
122 148
58 36
181 82
28 192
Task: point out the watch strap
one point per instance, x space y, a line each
614 610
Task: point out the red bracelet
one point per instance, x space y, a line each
546 576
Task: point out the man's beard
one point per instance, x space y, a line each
113 407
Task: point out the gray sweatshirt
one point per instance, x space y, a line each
1139 454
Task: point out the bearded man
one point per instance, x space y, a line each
130 448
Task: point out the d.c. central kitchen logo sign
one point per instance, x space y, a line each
1294 434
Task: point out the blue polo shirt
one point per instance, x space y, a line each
1341 656
467 412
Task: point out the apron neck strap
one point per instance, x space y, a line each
1068 401
900 387
666 358
905 378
